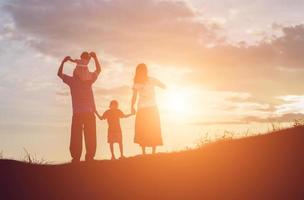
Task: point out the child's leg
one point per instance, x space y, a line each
143 148
112 151
121 149
153 149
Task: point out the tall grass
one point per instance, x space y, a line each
298 122
32 159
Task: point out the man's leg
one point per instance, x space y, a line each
90 136
121 150
76 138
112 151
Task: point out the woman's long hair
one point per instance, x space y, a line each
141 74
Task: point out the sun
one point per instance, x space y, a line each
175 101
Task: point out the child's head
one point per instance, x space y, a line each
113 104
85 56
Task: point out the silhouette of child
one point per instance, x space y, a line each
82 70
113 116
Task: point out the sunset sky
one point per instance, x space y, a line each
224 62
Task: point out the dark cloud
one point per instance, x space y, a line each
155 30
289 48
124 28
268 68
167 33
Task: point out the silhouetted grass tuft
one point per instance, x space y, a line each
298 123
29 158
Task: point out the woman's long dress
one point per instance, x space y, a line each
147 120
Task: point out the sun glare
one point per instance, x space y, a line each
175 101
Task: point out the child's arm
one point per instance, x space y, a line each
60 69
100 117
73 60
97 64
127 115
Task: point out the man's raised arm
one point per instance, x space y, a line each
60 70
97 64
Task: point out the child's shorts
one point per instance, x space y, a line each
114 137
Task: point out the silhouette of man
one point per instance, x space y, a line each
83 120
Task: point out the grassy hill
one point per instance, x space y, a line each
263 167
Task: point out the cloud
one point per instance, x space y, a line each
262 106
289 117
266 69
291 103
131 29
161 31
284 51
291 108
166 33
218 123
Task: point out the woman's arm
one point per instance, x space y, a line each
127 115
133 101
162 85
159 84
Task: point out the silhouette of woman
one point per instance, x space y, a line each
147 121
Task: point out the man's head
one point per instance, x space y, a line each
114 104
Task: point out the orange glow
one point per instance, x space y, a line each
176 102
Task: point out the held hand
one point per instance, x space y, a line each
133 111
93 54
99 117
